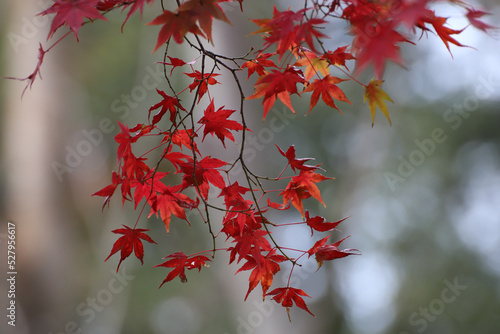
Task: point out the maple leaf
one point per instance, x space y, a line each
410 13
180 262
208 79
71 13
443 32
314 64
136 4
328 90
278 206
258 64
176 62
131 240
474 15
176 158
280 29
375 97
278 84
147 186
287 296
301 187
248 240
263 271
125 139
320 224
176 24
324 252
169 201
338 57
109 190
205 11
216 122
134 167
182 138
104 5
306 31
232 194
288 30
293 161
377 46
200 174
169 103
31 78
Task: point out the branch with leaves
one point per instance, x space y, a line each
291 62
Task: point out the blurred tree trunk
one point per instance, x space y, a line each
33 201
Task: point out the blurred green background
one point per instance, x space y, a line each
423 195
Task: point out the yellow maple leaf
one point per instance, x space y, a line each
376 96
314 65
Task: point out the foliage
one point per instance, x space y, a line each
292 61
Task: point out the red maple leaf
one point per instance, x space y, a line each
258 64
200 174
208 79
287 296
338 57
131 240
169 201
147 186
474 15
263 270
176 62
108 191
125 139
31 78
176 24
205 11
327 88
216 122
232 194
443 32
293 161
410 13
320 224
134 167
248 241
377 46
180 262
287 30
301 187
182 138
72 13
176 158
136 4
104 5
330 252
169 103
278 84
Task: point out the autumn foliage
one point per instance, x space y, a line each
293 61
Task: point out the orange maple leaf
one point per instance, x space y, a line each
444 32
314 65
328 90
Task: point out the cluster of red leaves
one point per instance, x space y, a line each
293 61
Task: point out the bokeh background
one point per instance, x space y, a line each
423 195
